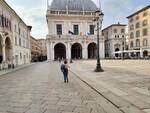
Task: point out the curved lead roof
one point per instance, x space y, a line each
77 5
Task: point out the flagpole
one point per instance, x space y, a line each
83 6
47 4
67 6
100 5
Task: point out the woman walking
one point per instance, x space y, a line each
64 69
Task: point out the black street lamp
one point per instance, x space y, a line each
71 54
71 60
123 47
98 19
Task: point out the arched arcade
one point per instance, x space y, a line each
59 51
92 50
76 51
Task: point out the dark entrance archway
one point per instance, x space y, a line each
92 51
116 50
76 51
8 49
60 51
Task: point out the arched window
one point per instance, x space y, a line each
132 27
145 14
131 44
145 42
137 17
145 32
137 25
144 22
131 35
137 43
137 34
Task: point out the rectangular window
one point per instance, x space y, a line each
122 30
15 28
92 29
24 43
1 19
59 29
145 32
19 31
115 30
19 41
15 40
20 55
76 29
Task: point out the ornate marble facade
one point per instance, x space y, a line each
71 31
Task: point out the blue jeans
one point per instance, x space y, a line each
65 76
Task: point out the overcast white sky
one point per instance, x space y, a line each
33 12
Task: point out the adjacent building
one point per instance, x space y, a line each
71 30
14 37
36 50
43 46
139 33
115 40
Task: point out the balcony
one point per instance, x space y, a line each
72 37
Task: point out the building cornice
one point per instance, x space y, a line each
12 11
139 11
113 26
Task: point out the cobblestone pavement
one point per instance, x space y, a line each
6 71
40 89
124 83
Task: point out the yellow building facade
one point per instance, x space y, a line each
139 32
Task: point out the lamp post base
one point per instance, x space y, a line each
99 69
71 61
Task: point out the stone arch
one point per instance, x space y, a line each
59 42
116 50
8 48
76 51
92 50
59 51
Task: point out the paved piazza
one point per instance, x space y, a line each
39 88
124 83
